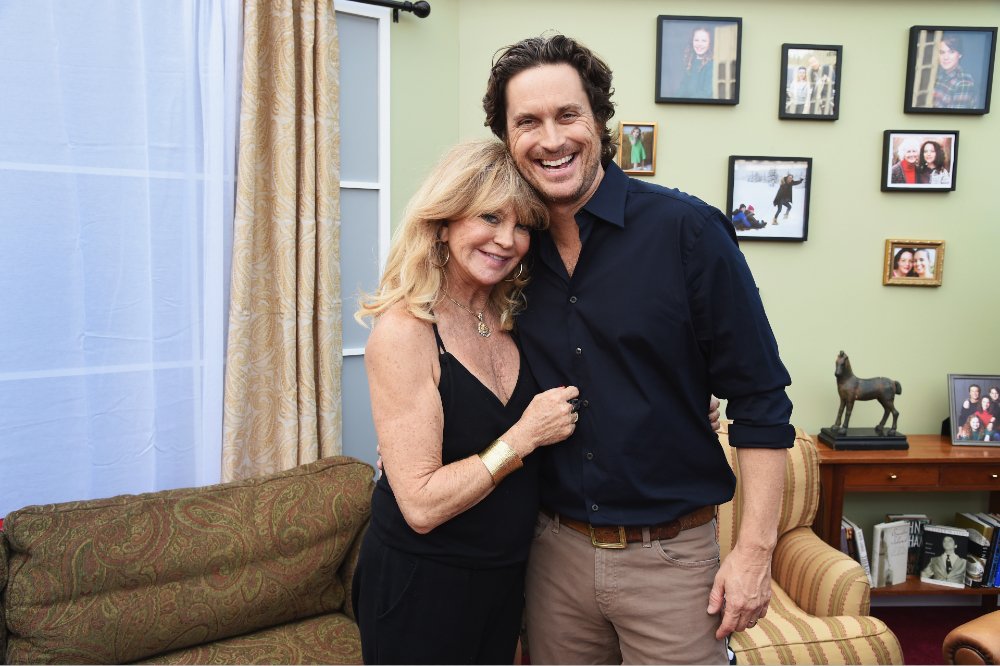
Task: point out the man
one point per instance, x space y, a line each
948 566
954 88
971 404
641 298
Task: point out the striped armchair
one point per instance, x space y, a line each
820 596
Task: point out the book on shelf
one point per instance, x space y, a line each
890 544
977 559
862 552
916 522
943 561
848 544
993 571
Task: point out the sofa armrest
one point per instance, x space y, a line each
347 569
822 580
975 642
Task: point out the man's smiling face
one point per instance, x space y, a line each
552 134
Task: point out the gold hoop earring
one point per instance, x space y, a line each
436 254
520 272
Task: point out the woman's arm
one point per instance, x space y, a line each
402 364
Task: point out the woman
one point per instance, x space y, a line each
798 92
954 88
783 199
440 576
932 169
698 66
902 263
923 267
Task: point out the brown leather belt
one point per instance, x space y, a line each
618 536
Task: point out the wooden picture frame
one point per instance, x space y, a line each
810 82
919 160
774 195
949 69
637 148
913 263
964 391
698 59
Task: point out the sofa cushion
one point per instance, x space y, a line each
327 639
121 579
788 635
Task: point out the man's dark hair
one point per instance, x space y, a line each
552 50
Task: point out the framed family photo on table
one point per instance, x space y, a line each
919 161
913 263
698 59
769 197
975 409
637 148
810 82
950 69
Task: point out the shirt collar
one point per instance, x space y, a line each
608 202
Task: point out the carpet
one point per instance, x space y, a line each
921 629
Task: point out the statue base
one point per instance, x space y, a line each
862 439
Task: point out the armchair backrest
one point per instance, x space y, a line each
801 496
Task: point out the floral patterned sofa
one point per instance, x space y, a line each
255 571
820 596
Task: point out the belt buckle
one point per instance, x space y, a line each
621 543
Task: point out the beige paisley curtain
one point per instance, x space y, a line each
282 401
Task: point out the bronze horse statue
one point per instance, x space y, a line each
851 388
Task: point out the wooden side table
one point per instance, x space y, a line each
931 464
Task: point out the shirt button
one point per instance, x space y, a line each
586 403
572 299
590 456
593 507
578 351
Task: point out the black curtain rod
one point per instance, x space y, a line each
420 9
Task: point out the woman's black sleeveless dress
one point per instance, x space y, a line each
455 594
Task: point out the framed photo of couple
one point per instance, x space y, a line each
637 148
919 160
950 70
810 82
698 59
913 263
975 409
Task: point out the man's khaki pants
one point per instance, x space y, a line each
644 604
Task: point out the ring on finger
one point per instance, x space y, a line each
752 623
576 417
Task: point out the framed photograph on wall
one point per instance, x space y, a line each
769 197
975 409
810 82
637 148
698 59
913 263
919 160
950 70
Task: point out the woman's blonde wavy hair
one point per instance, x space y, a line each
472 179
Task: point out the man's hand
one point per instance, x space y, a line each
713 413
742 591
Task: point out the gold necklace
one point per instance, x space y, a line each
481 326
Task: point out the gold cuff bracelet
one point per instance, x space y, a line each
500 460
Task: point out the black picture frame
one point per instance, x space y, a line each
959 393
679 78
756 181
810 82
940 175
933 85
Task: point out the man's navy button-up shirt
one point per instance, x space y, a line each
661 312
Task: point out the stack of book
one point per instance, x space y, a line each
964 553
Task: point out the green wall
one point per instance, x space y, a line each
823 295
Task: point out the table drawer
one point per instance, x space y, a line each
893 475
971 475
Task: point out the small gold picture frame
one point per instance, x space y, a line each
637 148
913 263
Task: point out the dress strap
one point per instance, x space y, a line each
437 335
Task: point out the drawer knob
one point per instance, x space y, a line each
892 476
994 476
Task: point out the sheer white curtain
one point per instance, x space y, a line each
117 150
